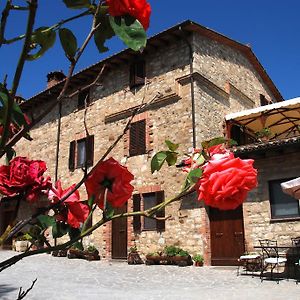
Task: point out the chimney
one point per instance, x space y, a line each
54 77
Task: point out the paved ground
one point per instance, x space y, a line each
65 279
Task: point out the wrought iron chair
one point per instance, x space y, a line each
270 257
295 259
250 263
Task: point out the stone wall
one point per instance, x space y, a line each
257 211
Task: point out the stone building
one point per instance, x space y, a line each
194 77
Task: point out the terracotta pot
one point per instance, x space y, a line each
198 263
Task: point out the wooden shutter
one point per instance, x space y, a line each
72 156
136 207
89 144
137 138
160 224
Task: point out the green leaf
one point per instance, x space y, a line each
103 33
194 175
158 160
59 230
91 201
68 42
130 31
46 221
171 146
217 141
17 114
43 37
233 142
171 158
10 154
200 160
77 4
109 211
192 178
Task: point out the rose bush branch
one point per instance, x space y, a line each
9 108
22 294
5 14
53 27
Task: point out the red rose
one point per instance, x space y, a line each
71 211
225 182
138 9
112 176
24 176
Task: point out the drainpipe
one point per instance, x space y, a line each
58 141
191 59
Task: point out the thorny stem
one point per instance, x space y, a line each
147 213
22 294
5 14
30 23
53 27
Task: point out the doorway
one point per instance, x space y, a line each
119 235
227 236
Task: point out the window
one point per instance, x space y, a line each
263 100
282 205
137 73
83 96
137 138
149 200
81 153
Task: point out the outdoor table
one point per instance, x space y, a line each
292 254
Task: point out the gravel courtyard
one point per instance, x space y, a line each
66 279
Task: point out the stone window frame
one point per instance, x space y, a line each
89 152
273 217
138 203
148 135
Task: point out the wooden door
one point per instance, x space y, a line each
227 236
119 235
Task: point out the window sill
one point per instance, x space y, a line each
280 220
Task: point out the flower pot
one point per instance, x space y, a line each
134 259
198 263
22 246
88 255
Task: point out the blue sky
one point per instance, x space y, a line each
270 27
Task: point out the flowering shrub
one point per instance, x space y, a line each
111 176
24 176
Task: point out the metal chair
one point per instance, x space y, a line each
295 259
250 263
270 257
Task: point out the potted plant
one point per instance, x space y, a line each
198 259
134 257
91 253
264 134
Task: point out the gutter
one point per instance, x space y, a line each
191 60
